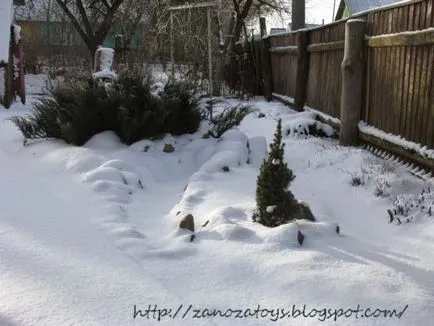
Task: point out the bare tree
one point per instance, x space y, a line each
91 18
238 13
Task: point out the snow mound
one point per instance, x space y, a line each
113 188
73 159
193 195
257 150
125 231
303 126
106 140
236 232
103 173
226 214
285 236
144 145
133 179
200 176
223 159
231 151
234 135
116 164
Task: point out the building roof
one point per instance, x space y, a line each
6 15
276 30
356 6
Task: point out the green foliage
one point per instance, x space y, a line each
68 114
183 115
78 111
133 112
276 204
229 118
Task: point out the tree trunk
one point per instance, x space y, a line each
352 82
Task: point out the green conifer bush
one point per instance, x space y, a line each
275 203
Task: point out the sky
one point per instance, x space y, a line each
316 11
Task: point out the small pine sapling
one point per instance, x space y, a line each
275 203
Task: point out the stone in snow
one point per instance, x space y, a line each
187 223
300 237
168 148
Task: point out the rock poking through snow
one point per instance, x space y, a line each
168 148
300 238
187 223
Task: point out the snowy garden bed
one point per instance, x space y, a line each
134 196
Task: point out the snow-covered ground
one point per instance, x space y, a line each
89 235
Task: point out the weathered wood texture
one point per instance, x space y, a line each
302 70
398 90
324 76
284 65
352 82
399 78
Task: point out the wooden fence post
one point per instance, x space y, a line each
302 70
267 81
9 73
352 82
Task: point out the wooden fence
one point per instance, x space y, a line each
398 69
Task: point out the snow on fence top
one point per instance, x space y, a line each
5 28
397 140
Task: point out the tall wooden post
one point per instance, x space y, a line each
210 79
9 73
352 82
172 49
263 26
267 82
302 70
298 14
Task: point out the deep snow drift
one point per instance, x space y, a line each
89 235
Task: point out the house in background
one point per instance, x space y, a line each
11 68
305 26
348 8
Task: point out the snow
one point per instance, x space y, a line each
89 235
106 63
5 28
301 123
283 98
356 20
407 33
105 74
40 84
106 59
418 148
270 209
323 115
17 33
